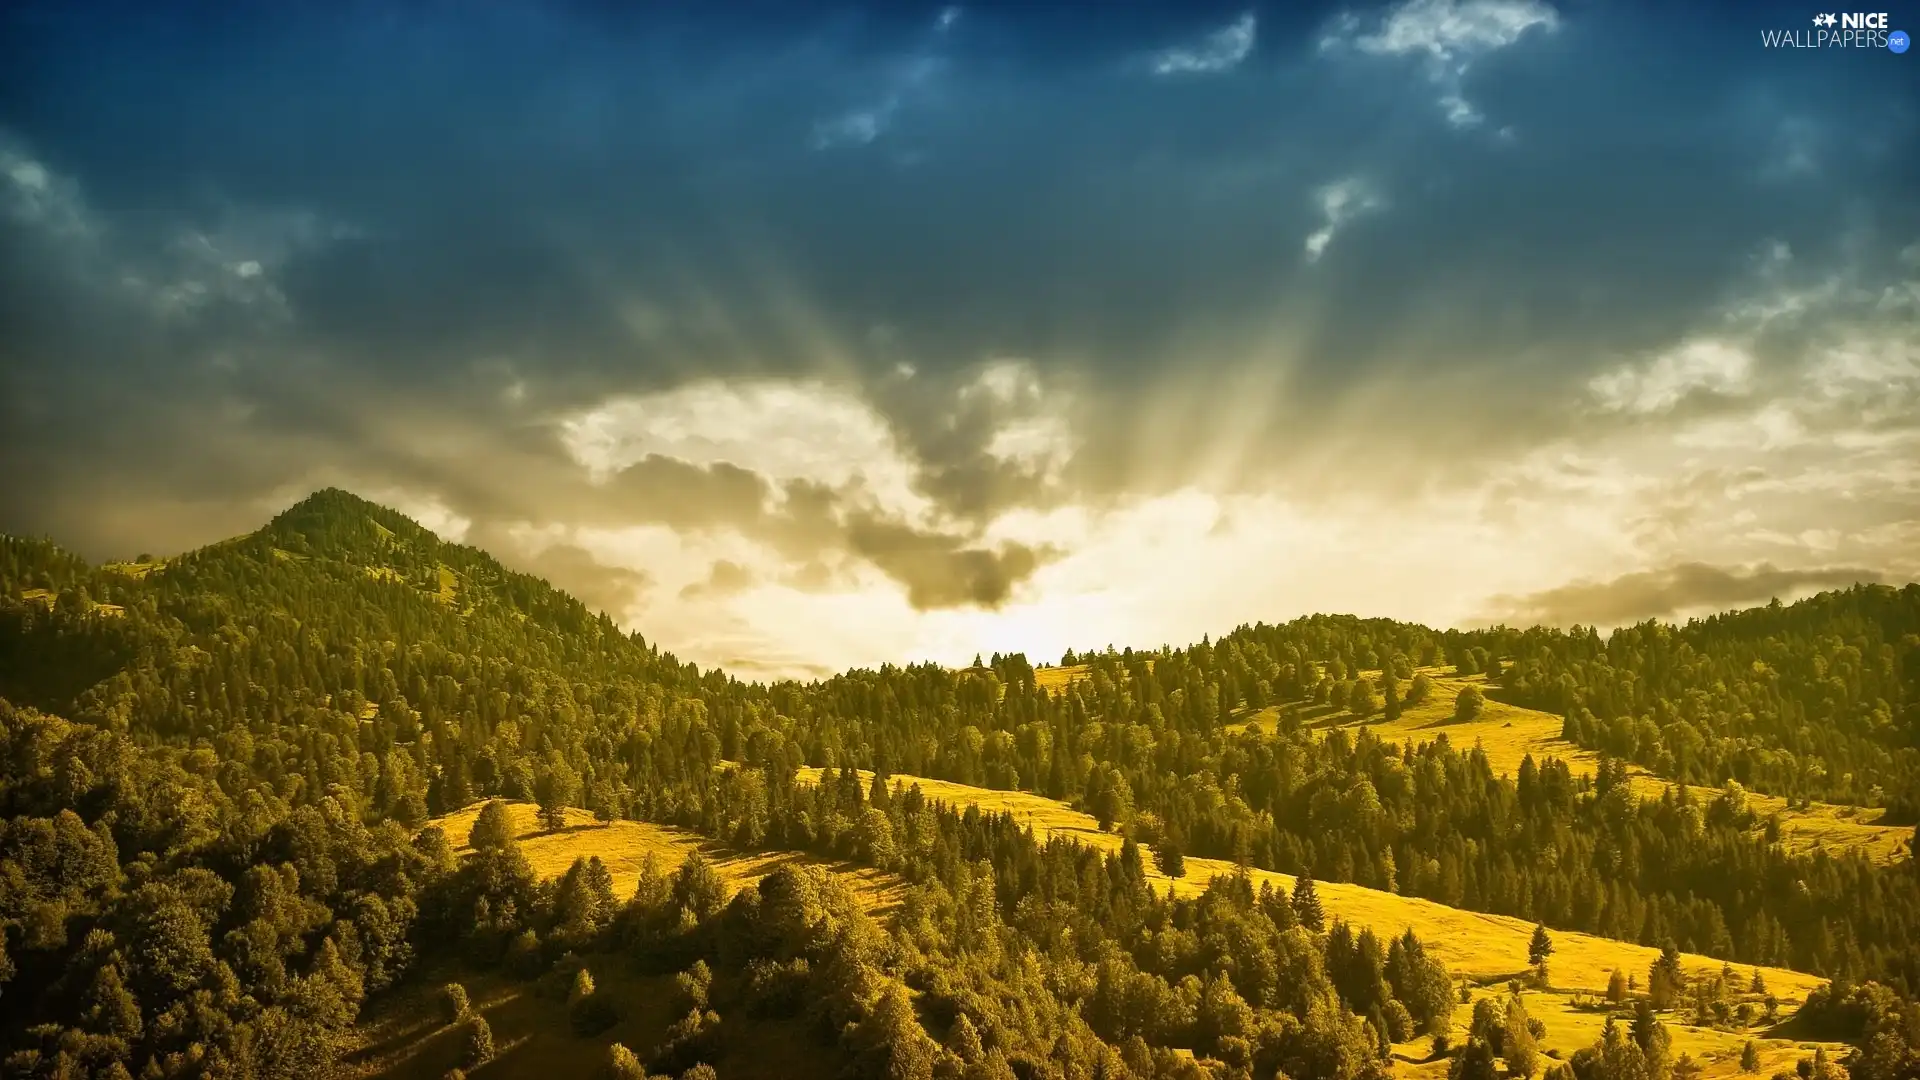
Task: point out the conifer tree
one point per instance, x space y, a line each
1540 947
1306 904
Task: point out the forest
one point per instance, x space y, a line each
220 768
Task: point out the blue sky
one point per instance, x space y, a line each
975 327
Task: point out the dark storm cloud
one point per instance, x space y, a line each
1674 590
941 571
466 224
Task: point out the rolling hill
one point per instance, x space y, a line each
210 755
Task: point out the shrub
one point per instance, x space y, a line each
692 1039
453 1003
691 986
479 1042
623 1064
524 959
592 1014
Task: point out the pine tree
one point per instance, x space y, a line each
1666 979
1540 947
964 1040
1306 904
1169 858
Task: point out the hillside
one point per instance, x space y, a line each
625 845
1489 950
221 761
1508 734
403 1036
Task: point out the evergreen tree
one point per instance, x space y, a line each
1306 904
1540 947
1168 857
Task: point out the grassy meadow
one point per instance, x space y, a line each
1508 733
404 1037
1487 950
625 845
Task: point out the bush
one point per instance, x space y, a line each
524 959
582 986
777 989
478 1046
622 1064
592 1014
453 1003
692 1039
1399 1021
692 986
1468 704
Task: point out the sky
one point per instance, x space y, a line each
804 337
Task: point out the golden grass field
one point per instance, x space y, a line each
1488 950
1508 733
624 846
47 598
403 1038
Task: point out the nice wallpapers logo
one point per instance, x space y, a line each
1844 30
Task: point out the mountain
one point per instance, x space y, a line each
217 764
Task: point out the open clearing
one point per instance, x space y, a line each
1489 950
1508 733
624 846
403 1036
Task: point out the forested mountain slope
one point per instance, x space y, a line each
216 766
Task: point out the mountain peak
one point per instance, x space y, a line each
334 518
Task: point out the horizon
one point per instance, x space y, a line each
1081 652
851 335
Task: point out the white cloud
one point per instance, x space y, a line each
1039 444
36 197
1868 369
1447 35
232 263
1340 203
906 80
1704 366
1221 50
783 430
428 510
856 128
